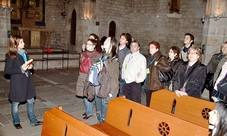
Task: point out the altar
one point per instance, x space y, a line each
36 37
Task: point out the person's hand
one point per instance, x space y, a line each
24 67
215 99
83 47
30 66
180 93
138 74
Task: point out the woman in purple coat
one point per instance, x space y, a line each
22 87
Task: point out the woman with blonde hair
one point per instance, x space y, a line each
190 77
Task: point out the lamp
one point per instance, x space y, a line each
5 5
203 19
216 17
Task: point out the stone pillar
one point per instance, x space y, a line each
5 27
215 28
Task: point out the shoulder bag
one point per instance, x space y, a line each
222 86
165 76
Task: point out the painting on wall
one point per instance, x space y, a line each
35 9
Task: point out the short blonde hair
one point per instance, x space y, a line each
199 52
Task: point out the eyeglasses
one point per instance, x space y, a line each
193 53
90 44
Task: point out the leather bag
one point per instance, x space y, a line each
165 76
222 86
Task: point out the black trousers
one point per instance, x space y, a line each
132 91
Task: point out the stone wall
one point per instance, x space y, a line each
144 20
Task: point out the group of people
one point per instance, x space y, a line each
128 70
135 70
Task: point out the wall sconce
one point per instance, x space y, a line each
216 17
5 5
203 19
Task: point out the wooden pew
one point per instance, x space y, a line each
138 120
185 107
59 123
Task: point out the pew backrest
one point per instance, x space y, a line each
59 123
191 109
136 119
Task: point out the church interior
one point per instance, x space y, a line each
66 24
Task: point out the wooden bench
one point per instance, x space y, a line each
185 107
138 120
58 123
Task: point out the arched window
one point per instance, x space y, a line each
73 28
112 29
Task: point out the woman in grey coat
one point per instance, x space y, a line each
21 83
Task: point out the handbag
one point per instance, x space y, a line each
209 81
222 86
165 76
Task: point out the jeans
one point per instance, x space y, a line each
101 106
30 112
88 106
121 87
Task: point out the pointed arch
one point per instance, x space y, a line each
112 29
73 28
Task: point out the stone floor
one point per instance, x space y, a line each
53 88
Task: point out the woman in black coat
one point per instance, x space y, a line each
21 83
190 77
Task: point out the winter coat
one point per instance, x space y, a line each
152 82
174 64
196 78
21 86
112 68
213 63
82 76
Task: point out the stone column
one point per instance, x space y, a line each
5 26
215 28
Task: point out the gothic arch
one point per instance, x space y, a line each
73 28
112 29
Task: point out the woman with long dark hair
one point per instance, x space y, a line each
22 88
112 67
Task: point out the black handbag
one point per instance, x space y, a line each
165 76
222 86
209 81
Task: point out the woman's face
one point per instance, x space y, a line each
213 119
152 49
172 54
123 41
21 44
90 46
193 55
107 45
